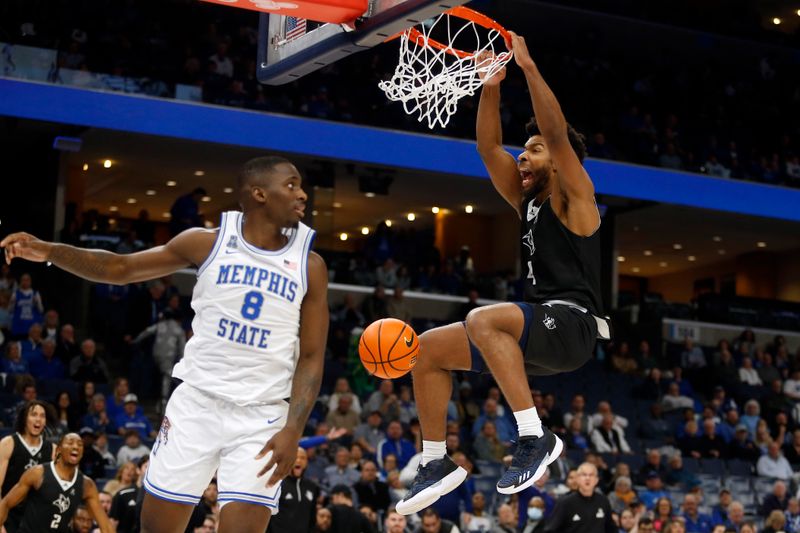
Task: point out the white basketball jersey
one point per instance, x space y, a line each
247 322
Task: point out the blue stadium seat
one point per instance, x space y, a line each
111 471
712 466
691 464
50 388
115 442
737 467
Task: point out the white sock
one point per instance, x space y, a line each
528 423
432 450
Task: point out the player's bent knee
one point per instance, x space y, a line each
480 325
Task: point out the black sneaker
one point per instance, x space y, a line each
432 481
530 461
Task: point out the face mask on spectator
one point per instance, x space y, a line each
534 513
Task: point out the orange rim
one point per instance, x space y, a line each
466 14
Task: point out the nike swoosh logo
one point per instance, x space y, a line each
274 420
229 251
410 341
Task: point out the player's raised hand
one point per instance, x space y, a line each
520 49
483 60
25 246
283 446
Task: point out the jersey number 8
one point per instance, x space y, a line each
251 308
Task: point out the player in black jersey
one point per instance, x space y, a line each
53 491
23 449
555 329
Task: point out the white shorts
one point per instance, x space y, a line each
201 435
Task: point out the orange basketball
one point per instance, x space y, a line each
388 348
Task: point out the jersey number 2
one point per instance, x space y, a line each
56 521
251 308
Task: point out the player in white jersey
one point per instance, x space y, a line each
260 294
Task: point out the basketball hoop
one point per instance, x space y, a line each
433 75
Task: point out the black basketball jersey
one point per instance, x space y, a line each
52 506
556 263
21 460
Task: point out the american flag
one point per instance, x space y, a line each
291 265
295 27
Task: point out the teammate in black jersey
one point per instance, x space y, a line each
556 328
23 449
53 491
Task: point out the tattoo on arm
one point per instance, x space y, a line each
305 388
94 265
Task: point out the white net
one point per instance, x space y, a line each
432 75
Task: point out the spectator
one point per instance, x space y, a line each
368 434
727 428
395 522
384 400
791 450
675 400
719 512
344 517
343 416
45 364
506 521
575 438
773 464
168 345
777 501
115 402
792 515
505 431
751 416
125 477
608 438
374 306
711 444
133 449
408 408
591 508
88 367
775 523
662 513
66 348
577 409
692 356
25 307
101 446
32 346
386 275
534 522
652 464
646 361
324 520
433 523
370 490
398 307
747 374
791 387
652 387
343 387
487 445
623 495
395 444
92 463
298 500
767 372
725 372
655 426
185 211
66 417
654 490
130 419
127 503
677 475
14 363
627 521
603 408
97 418
735 517
50 325
477 521
690 443
537 490
696 522
340 472
622 360
742 447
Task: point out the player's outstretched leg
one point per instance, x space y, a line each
441 350
498 331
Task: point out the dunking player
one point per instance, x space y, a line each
259 292
54 491
552 194
22 450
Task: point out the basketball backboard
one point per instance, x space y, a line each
286 53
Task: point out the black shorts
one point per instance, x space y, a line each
556 338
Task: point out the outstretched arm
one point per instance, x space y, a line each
501 165
307 374
92 501
30 479
580 213
188 248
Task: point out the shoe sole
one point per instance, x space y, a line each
426 497
557 448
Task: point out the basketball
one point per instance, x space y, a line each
388 348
